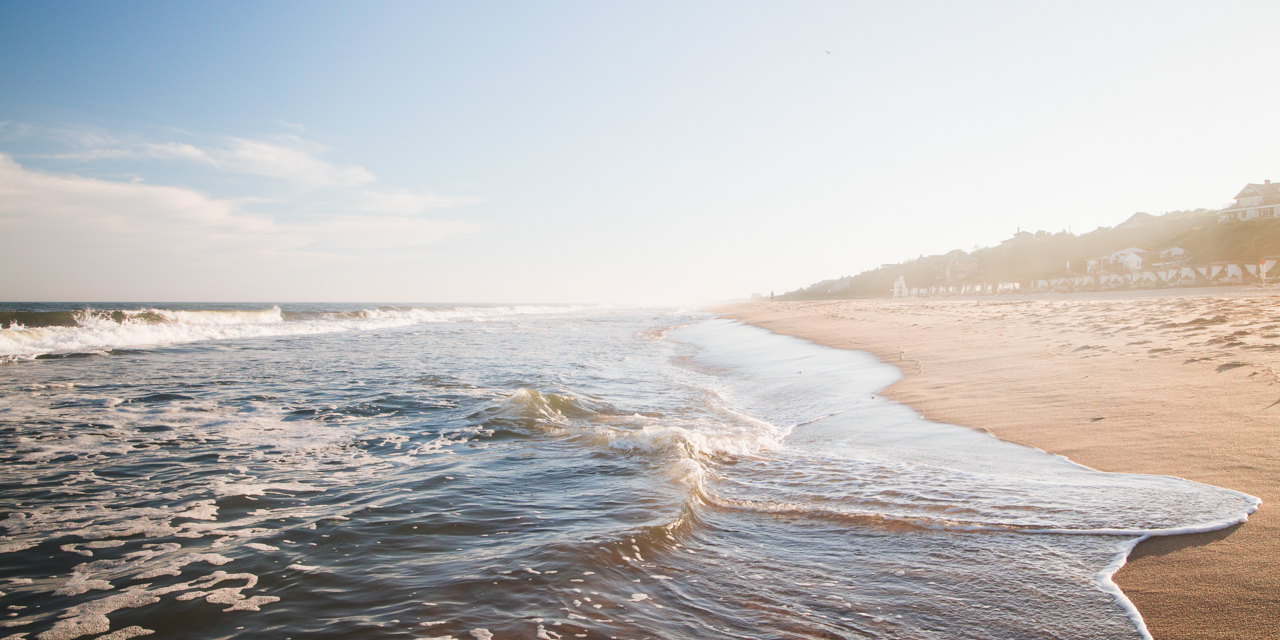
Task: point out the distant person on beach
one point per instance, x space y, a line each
770 296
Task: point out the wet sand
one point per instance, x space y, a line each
1170 384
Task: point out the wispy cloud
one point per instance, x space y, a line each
293 161
287 158
100 228
179 150
290 160
10 130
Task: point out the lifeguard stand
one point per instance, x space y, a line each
900 288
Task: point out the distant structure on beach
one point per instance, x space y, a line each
1254 201
900 288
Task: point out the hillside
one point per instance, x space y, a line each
1044 255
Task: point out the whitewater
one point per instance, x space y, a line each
446 471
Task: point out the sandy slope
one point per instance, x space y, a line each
1182 385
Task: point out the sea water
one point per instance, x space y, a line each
330 471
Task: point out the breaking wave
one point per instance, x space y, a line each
30 334
687 445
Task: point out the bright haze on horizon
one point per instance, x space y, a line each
645 152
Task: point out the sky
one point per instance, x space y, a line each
597 152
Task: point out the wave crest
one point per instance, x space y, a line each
685 446
31 334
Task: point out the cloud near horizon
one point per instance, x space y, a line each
100 233
287 159
294 162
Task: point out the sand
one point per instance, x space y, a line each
1180 385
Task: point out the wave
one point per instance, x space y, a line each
686 447
47 333
95 317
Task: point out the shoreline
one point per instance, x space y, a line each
1182 384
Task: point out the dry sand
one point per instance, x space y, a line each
1181 385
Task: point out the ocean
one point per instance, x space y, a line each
550 472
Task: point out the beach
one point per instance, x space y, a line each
1171 383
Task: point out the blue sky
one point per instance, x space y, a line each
596 152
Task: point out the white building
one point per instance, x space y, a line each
1173 256
1130 259
1253 202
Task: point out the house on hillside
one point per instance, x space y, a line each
961 267
1254 201
1171 257
1130 259
954 265
1018 236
